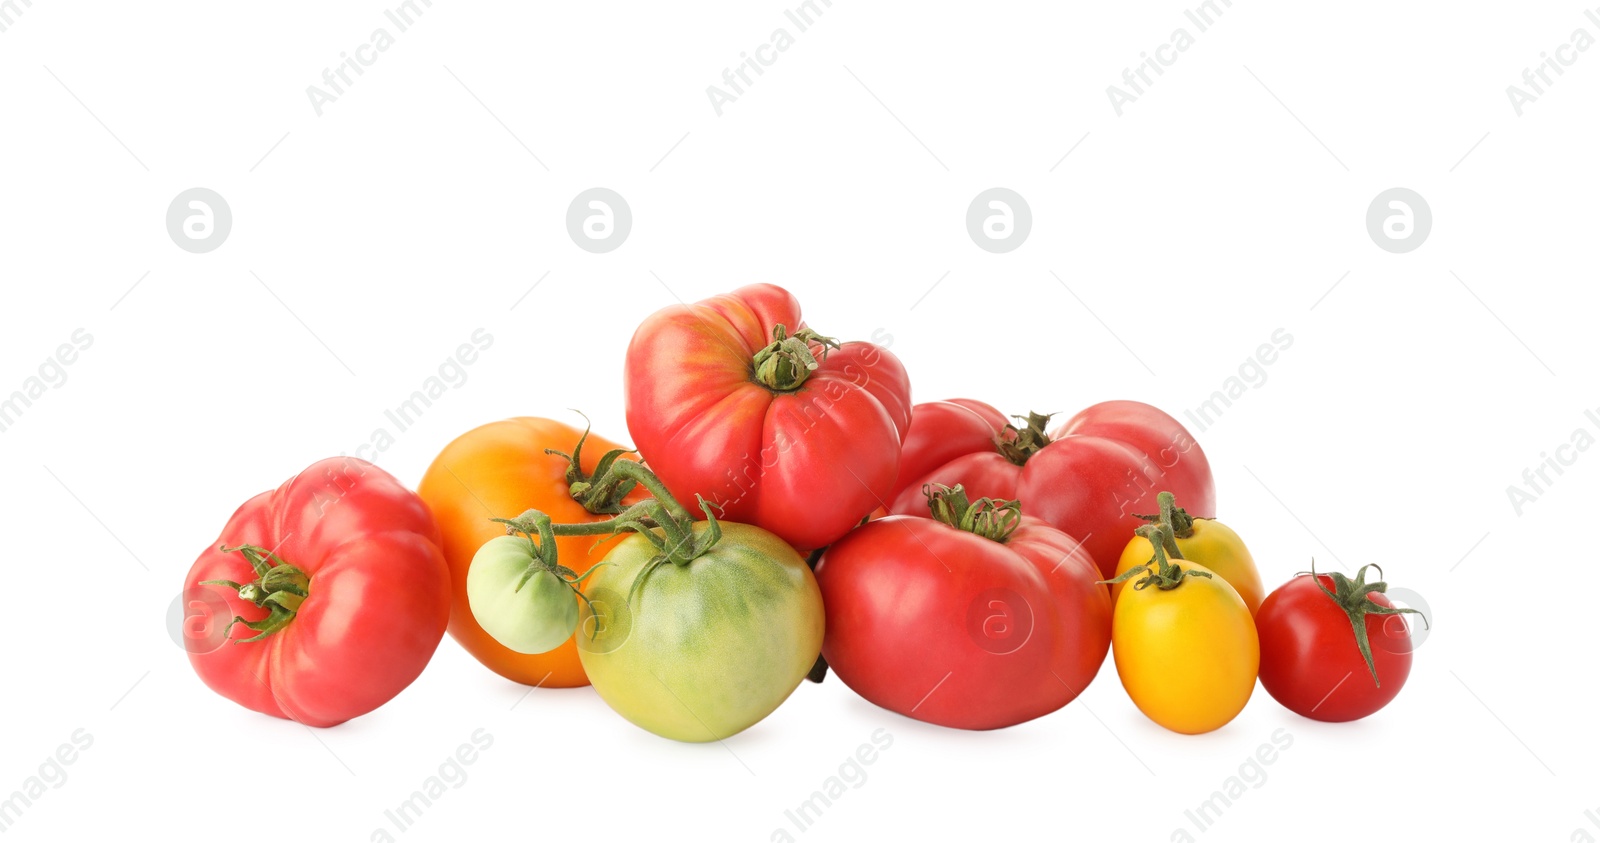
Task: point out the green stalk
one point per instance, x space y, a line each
279 588
601 492
786 363
1017 444
992 519
1352 597
1168 574
1172 515
676 540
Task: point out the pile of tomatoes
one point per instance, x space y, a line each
788 513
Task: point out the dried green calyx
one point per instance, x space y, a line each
1167 574
1353 599
992 519
1017 444
279 588
784 365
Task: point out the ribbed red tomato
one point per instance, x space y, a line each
341 591
976 618
1090 477
736 400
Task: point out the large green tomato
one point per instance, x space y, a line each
536 616
708 649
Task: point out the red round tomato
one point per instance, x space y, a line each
976 628
1311 660
942 431
1090 477
734 399
340 592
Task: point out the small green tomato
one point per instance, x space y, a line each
532 616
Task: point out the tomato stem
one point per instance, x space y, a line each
1352 597
601 492
648 479
784 365
992 519
1172 515
543 549
819 670
1017 444
279 588
1164 548
676 540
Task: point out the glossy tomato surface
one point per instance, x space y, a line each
942 431
529 614
500 470
705 650
957 629
377 602
806 463
1187 656
1210 543
1098 471
1311 663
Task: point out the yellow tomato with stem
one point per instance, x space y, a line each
1184 642
1204 541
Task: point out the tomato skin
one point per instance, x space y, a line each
377 603
536 617
806 464
1101 469
941 431
1188 657
1165 458
706 650
1212 544
500 470
951 628
1310 661
1177 462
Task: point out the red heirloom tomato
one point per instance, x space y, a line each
337 592
940 432
1091 477
1332 648
734 399
976 618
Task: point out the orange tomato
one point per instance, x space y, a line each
500 470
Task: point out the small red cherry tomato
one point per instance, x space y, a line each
1333 648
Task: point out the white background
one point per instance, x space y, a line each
375 238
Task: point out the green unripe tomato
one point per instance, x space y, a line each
536 618
706 650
